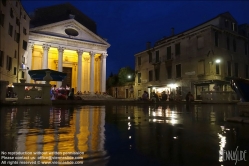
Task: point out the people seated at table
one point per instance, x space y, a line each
164 96
71 94
67 89
154 97
145 96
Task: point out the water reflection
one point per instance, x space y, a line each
124 135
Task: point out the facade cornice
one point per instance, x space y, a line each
66 43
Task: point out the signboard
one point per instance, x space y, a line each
190 73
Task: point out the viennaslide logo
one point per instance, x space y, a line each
233 155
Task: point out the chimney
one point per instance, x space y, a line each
148 45
172 31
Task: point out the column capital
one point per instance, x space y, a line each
92 53
61 49
46 47
30 45
79 52
104 55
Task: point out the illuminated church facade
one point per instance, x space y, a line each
62 38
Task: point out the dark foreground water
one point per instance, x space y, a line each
123 136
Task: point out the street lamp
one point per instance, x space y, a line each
217 61
129 76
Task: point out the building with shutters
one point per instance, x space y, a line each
14 33
196 60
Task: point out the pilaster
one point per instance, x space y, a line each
92 54
79 72
46 48
103 75
29 60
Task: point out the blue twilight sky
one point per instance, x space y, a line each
128 25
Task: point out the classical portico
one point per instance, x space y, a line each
83 57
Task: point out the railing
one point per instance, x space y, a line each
218 96
32 94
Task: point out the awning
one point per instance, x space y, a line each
38 75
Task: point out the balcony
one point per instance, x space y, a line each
168 61
155 61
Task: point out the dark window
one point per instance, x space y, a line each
10 30
217 68
2 19
11 13
169 52
22 74
178 71
24 31
17 37
216 39
17 22
169 72
138 77
246 71
150 57
24 17
150 75
1 58
24 46
9 63
228 43
157 74
236 69
246 48
4 2
15 54
14 70
177 49
234 45
229 69
16 3
157 56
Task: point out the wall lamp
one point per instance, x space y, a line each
216 61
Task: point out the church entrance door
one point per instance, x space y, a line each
68 79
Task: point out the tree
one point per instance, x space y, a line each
125 74
112 81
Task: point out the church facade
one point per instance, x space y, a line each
67 45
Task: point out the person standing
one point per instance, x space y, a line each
164 96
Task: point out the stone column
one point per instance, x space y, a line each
60 62
92 54
79 72
103 75
45 56
29 60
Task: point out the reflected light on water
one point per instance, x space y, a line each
163 115
222 143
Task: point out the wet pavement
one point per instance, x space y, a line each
119 135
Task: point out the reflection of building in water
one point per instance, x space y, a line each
8 128
55 131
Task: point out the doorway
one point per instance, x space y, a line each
126 93
68 79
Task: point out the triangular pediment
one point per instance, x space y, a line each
69 29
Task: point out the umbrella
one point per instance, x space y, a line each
38 75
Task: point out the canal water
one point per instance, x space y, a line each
116 135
